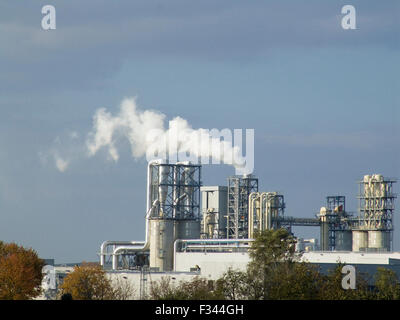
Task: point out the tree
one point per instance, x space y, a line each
272 254
233 285
387 284
294 281
196 289
200 289
122 289
163 290
88 282
331 286
20 272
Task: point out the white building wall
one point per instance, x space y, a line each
212 265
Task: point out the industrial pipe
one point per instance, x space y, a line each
135 245
117 251
105 244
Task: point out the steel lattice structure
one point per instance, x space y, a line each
239 189
180 184
376 203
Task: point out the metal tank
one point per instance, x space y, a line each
378 240
187 229
343 240
360 240
324 228
161 244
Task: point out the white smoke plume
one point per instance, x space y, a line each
61 164
148 137
64 151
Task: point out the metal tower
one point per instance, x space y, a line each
177 188
239 189
376 202
335 220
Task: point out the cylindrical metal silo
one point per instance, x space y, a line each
360 240
324 229
161 244
343 240
379 240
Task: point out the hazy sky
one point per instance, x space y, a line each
323 102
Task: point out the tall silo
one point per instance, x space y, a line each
360 240
161 244
324 228
343 240
378 240
174 192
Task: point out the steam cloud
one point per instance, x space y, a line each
61 163
147 136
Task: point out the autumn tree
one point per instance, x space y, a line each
88 282
20 272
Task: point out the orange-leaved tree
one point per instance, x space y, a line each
88 282
20 272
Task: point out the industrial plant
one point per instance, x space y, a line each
193 229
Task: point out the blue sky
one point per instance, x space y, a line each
323 102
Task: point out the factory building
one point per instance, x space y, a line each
193 229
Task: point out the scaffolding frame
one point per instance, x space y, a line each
376 208
335 219
178 182
239 189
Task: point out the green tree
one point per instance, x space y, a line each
233 285
331 286
20 272
273 264
387 284
294 281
